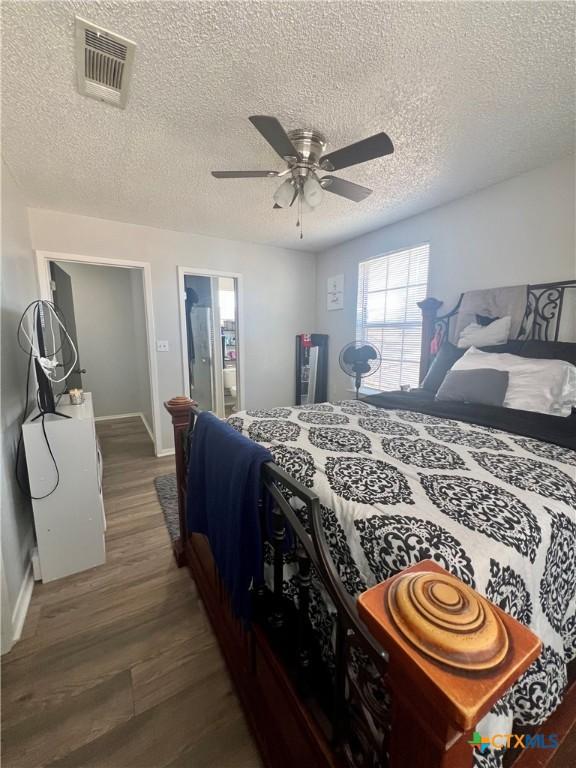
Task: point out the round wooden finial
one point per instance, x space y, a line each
448 621
179 401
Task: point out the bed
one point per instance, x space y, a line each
365 491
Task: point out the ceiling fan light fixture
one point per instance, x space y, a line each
284 195
303 153
312 191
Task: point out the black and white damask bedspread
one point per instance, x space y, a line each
495 509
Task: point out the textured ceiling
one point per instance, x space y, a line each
470 93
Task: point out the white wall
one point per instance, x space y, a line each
111 331
518 231
279 294
19 287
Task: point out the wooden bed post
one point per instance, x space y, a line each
180 409
429 308
452 656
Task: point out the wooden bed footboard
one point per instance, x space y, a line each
402 692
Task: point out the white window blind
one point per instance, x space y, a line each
388 316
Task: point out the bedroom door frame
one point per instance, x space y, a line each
240 360
43 259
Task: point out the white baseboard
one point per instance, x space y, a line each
166 452
118 416
22 604
148 429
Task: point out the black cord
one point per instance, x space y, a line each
65 341
66 344
53 461
36 304
25 489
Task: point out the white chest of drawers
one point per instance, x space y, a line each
69 522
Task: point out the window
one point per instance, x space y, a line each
388 316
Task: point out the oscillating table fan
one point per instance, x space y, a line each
359 360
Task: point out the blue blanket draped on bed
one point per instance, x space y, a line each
222 503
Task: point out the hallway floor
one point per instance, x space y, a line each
117 666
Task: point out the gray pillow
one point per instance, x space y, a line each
484 386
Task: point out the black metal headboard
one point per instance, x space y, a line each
544 306
541 322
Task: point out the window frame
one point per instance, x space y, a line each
362 324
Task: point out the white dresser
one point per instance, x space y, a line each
70 522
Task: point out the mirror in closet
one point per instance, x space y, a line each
211 312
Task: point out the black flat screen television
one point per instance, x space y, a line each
45 395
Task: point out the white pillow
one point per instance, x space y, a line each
475 335
546 386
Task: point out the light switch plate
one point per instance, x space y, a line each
162 346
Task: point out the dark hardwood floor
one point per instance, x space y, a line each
117 666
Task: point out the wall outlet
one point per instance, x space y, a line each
162 346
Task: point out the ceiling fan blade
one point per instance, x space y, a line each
274 134
367 149
345 188
242 174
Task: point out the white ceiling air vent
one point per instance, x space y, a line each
103 63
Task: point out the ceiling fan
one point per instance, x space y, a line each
302 151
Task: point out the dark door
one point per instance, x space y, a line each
64 300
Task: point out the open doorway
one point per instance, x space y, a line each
106 307
211 339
